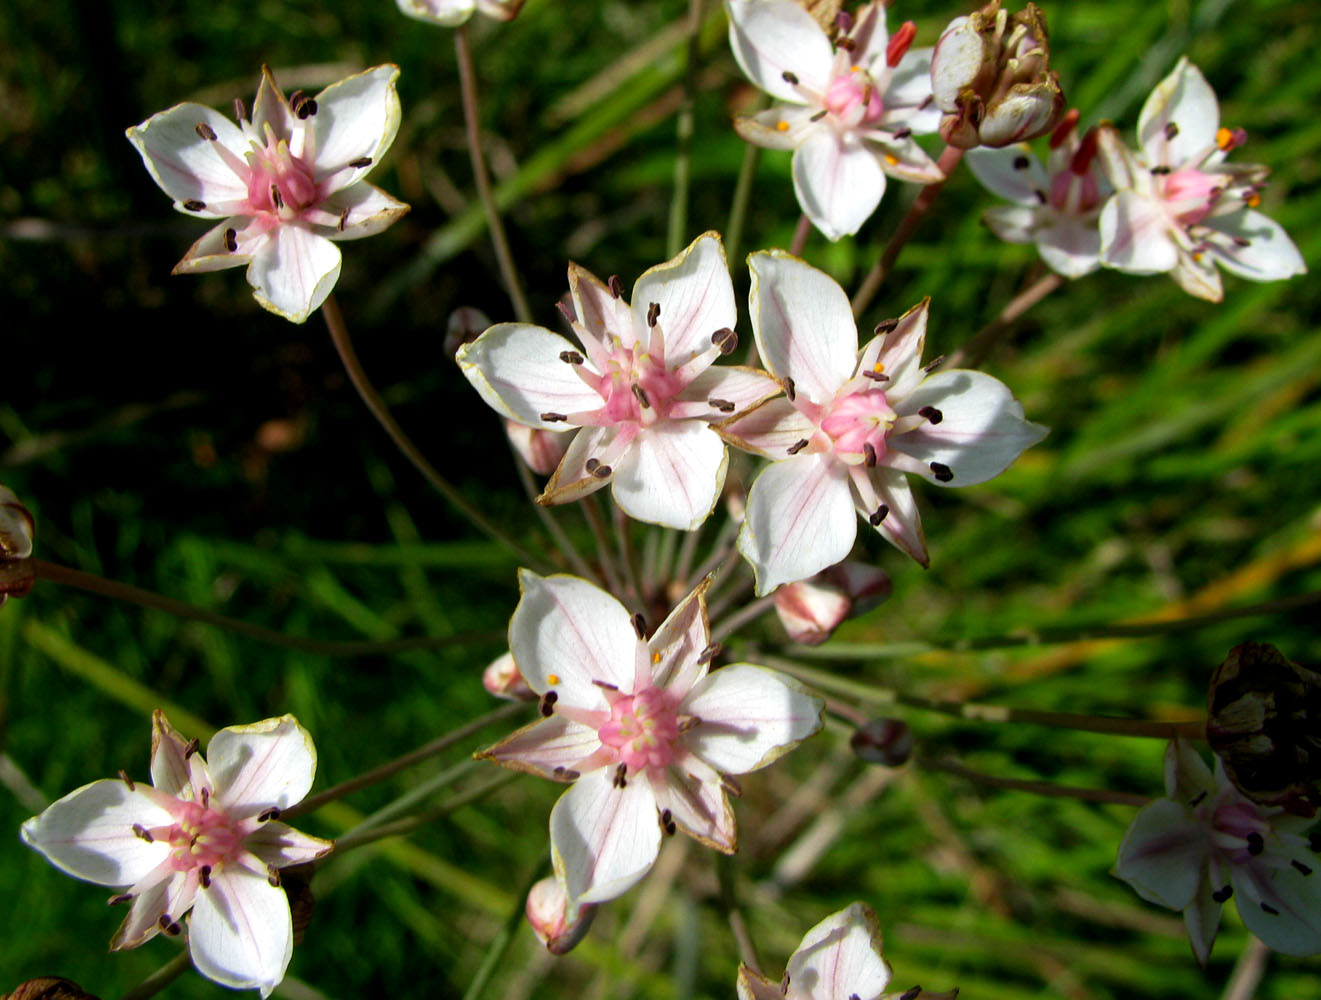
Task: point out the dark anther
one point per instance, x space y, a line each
206 131
277 199
819 115
709 653
903 133
644 400
869 454
790 78
616 286
1300 867
1255 844
272 813
653 313
273 875
1160 171
621 776
1222 895
240 109
723 405
343 219
1267 908
878 515
307 109
797 446
193 205
204 876
206 798
885 326
667 823
602 472
931 413
571 357
1021 163
592 464
1041 195
912 994
566 310
876 376
1196 800
165 922
296 98
547 706
231 240
604 685
1171 130
361 161
142 833
1242 241
1314 841
123 897
847 44
640 625
123 776
935 363
731 787
688 722
553 418
790 388
941 472
725 339
567 774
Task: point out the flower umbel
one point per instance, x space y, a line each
645 732
205 838
287 182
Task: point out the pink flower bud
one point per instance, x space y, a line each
867 586
888 742
503 679
465 325
16 532
810 610
541 450
546 913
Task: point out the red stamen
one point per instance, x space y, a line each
1082 159
899 43
1064 129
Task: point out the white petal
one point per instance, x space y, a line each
210 252
981 432
908 100
697 803
1269 254
678 642
566 633
293 271
89 834
695 295
1202 918
902 525
840 957
1295 926
957 59
774 37
281 845
799 520
1012 172
744 387
781 127
1186 101
370 210
272 106
169 756
517 369
750 717
446 13
1186 774
601 315
241 934
545 746
898 353
838 181
1070 247
803 324
603 839
1164 854
172 896
356 117
184 164
268 764
1013 223
1197 275
1135 235
903 158
672 475
768 430
571 481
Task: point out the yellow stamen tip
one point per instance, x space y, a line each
655 657
878 368
1254 201
891 159
1197 256
553 678
782 126
1225 138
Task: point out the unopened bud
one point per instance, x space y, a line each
17 529
465 325
48 988
810 610
1264 723
990 74
888 742
504 680
867 586
540 449
546 906
296 881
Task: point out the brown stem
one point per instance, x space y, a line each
971 354
801 232
1046 788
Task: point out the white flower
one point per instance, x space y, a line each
452 13
1056 207
643 387
644 733
1179 207
204 839
1206 842
852 423
853 105
286 183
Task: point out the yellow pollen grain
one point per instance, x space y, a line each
1197 257
553 678
891 159
1225 138
782 126
878 368
855 69
1254 201
655 657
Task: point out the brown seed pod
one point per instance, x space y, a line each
296 881
49 988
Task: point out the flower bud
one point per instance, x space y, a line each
810 610
16 532
540 449
883 741
867 586
465 325
546 913
503 679
48 988
990 74
1264 723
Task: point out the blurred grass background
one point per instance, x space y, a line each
169 433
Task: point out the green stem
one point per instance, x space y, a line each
339 335
738 209
362 835
472 126
552 526
161 978
1046 788
683 156
495 953
738 925
971 354
592 511
627 554
94 584
748 613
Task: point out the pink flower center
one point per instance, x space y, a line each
279 180
859 420
202 837
637 386
852 97
644 728
1192 192
1239 830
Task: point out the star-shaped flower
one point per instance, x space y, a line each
1179 207
852 105
852 423
452 13
205 838
287 183
644 732
1205 842
640 382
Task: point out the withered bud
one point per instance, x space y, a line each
888 742
504 680
465 325
546 904
17 529
1264 723
49 988
991 75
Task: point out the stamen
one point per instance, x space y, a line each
689 723
571 357
206 798
732 787
878 515
790 389
240 110
1021 163
547 705
273 875
566 310
206 131
1300 867
1255 844
899 43
797 446
272 813
361 161
1230 138
193 205
709 653
621 776
1171 130
231 240
1041 196
847 44
1086 152
277 199
653 313
307 109
640 625
667 823
723 405
1267 908
343 219
942 472
616 286
566 774
168 925
931 366
1064 129
123 897
602 471
643 400
869 454
931 413
885 326
912 994
1222 895
790 78
725 339
142 833
1242 241
204 876
605 685
1160 171
1197 800
819 115
876 376
123 776
553 418
902 133
296 98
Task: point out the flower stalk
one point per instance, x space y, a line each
1046 788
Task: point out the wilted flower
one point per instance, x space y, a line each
204 839
644 733
452 13
1265 726
503 679
1206 842
1179 207
17 529
851 425
811 610
838 958
547 912
286 182
643 387
1057 207
854 101
991 76
48 988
